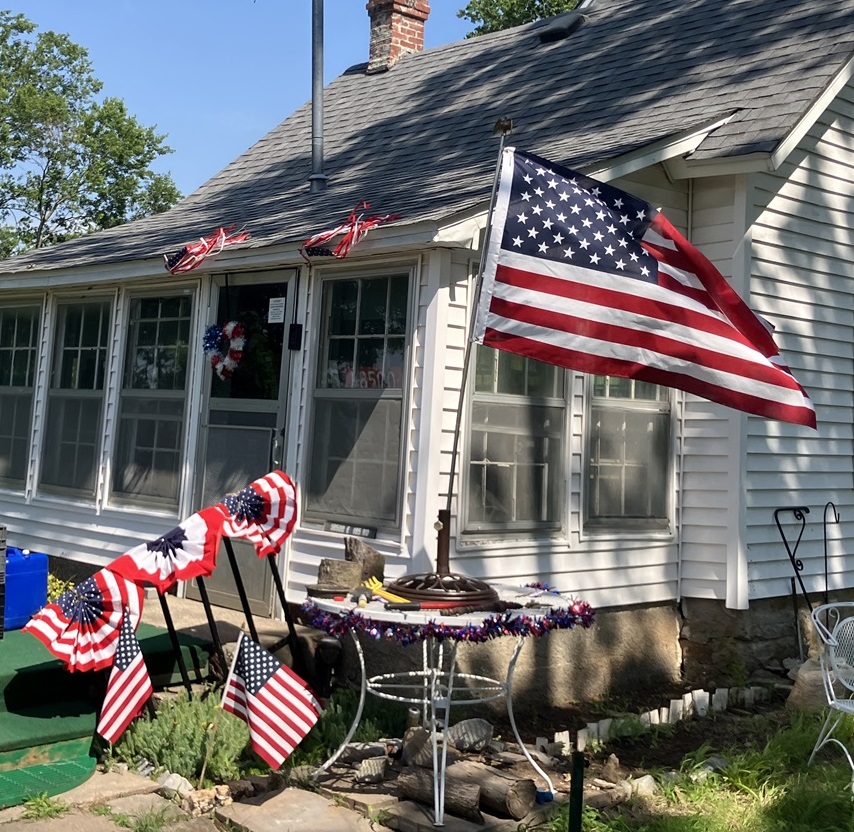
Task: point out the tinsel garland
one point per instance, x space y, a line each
579 613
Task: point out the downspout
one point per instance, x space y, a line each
680 453
317 180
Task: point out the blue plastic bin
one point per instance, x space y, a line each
26 586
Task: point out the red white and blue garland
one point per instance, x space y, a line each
579 613
224 363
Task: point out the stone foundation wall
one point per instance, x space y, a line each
629 652
729 647
625 651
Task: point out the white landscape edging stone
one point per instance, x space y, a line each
697 703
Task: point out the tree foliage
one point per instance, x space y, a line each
495 15
70 162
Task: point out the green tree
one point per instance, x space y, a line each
70 163
495 15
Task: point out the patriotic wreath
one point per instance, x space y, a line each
225 362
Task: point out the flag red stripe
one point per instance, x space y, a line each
611 300
601 365
121 708
689 352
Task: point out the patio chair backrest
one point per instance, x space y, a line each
834 624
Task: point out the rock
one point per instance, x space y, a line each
470 735
173 784
241 789
611 770
808 691
644 786
203 801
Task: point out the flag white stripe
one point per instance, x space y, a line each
667 363
611 316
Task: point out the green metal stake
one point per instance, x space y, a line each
576 791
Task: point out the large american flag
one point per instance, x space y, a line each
129 687
583 275
271 699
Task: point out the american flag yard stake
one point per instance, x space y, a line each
271 699
129 687
585 276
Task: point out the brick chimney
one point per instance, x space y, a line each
397 27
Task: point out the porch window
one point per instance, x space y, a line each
76 398
19 332
516 461
355 459
628 455
152 401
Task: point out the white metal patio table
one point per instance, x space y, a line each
439 684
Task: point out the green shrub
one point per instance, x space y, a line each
182 733
179 737
56 587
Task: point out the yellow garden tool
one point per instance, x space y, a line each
376 587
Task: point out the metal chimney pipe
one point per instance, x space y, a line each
317 180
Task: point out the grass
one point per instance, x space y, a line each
41 806
759 783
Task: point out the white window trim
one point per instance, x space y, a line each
317 522
107 499
589 532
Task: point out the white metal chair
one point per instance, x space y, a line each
834 624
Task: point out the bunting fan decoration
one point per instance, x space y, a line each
81 628
264 512
353 229
186 552
193 254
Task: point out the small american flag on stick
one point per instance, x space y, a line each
271 699
129 686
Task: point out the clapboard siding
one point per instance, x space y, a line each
708 513
802 251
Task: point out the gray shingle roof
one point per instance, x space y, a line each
417 140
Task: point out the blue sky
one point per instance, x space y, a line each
215 76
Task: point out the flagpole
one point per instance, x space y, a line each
443 526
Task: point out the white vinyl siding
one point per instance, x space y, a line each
803 250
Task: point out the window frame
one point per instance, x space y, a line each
318 516
36 302
628 525
123 500
527 529
52 393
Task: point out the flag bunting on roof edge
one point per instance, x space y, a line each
585 276
192 255
129 686
271 699
354 228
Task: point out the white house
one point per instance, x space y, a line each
655 506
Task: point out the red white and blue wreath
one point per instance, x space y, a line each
225 361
